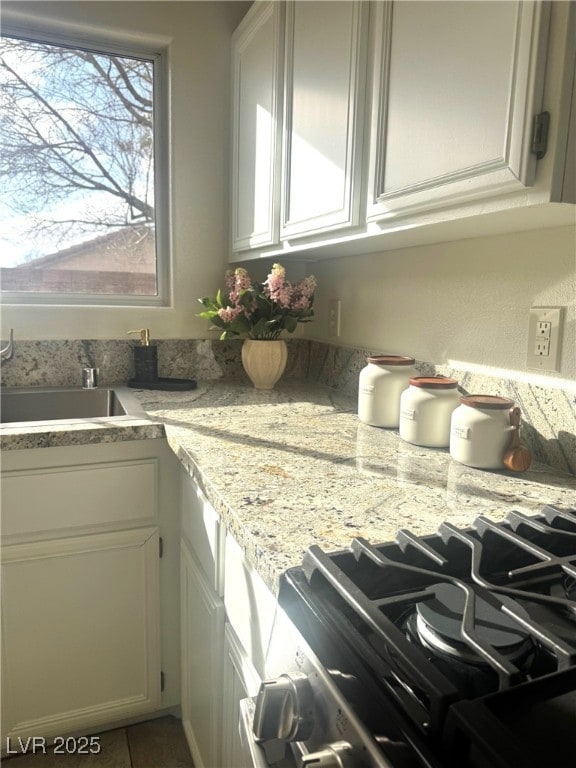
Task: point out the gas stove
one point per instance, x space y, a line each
455 650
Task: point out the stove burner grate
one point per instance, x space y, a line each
439 625
457 633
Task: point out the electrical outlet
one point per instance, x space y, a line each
542 348
334 317
544 338
543 328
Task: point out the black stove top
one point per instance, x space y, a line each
458 649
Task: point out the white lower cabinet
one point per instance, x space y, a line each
250 606
240 680
88 620
80 632
202 627
226 619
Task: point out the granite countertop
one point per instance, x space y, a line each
101 430
294 466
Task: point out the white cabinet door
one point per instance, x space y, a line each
202 627
257 51
323 116
240 681
250 605
455 88
80 632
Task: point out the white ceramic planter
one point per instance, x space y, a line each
264 361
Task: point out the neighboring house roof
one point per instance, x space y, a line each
125 250
119 263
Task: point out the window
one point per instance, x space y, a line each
80 219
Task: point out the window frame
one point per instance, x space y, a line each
156 51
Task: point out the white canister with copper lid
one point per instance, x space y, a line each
425 410
480 431
380 385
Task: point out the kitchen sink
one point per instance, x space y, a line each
38 405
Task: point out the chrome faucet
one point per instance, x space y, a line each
90 378
7 352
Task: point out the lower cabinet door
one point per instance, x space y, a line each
240 681
202 628
80 625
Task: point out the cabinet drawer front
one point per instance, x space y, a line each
78 496
201 528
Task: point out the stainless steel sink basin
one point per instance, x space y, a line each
38 405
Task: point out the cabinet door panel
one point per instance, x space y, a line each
250 606
456 85
202 625
322 134
240 680
433 98
257 65
81 630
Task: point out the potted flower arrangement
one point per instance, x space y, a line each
261 312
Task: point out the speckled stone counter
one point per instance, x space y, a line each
103 430
294 466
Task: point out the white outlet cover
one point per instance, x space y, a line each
334 317
550 362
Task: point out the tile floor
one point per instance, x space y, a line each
154 744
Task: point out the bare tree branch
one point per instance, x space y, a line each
72 121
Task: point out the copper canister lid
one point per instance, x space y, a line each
493 402
390 360
433 382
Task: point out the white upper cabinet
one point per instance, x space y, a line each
401 123
455 86
257 58
323 116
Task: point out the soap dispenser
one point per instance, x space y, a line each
145 358
146 368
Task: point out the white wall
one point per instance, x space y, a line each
200 94
466 301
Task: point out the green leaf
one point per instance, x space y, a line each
240 325
208 314
264 305
208 303
259 329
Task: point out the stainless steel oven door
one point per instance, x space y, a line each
254 755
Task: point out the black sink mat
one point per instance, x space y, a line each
168 385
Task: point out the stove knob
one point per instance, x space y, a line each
339 754
284 709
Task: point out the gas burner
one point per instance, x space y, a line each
565 590
439 622
570 589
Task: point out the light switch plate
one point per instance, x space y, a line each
544 338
